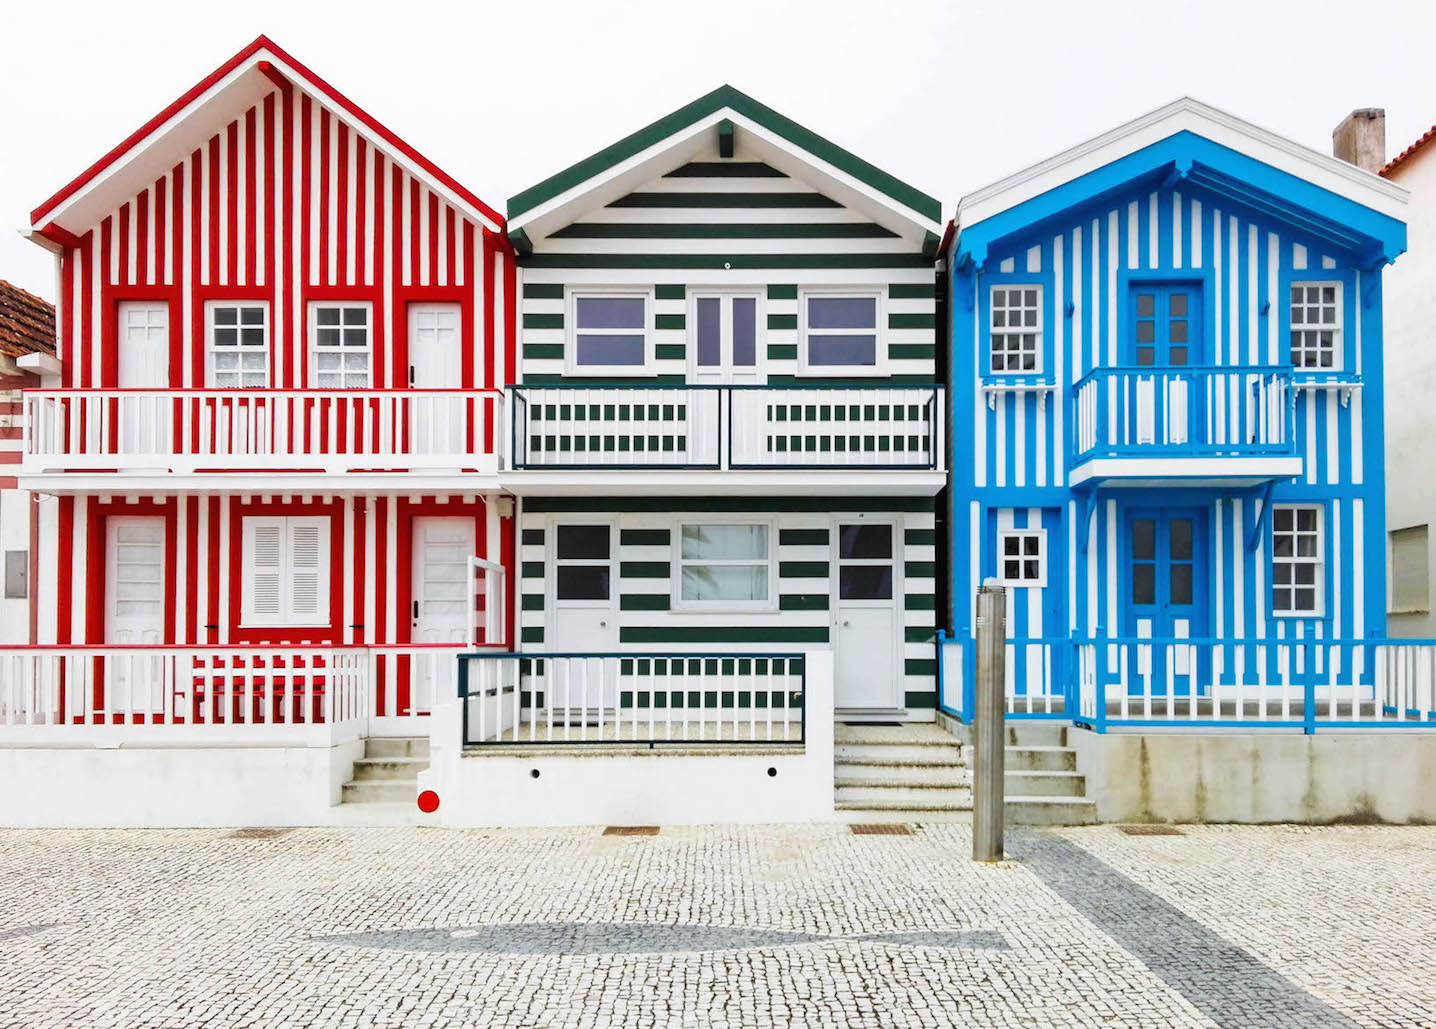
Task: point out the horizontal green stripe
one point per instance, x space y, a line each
920 602
911 351
667 291
543 291
676 505
643 602
713 230
723 634
643 569
802 569
920 537
669 351
782 351
782 321
543 351
803 602
920 666
725 170
543 321
834 380
632 380
725 200
531 634
532 537
532 602
912 291
643 537
919 569
725 261
917 699
919 633
803 537
534 569
669 321
911 321
782 292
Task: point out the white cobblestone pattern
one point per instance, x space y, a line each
721 926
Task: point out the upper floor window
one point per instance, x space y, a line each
610 333
840 333
1022 556
237 337
1316 325
285 571
1296 560
1016 328
340 345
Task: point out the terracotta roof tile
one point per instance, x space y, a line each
27 323
1392 164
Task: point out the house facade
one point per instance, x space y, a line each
1167 394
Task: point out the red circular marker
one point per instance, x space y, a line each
428 802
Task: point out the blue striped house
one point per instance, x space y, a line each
1166 398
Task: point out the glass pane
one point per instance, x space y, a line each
865 582
1146 305
1144 584
1181 535
725 582
582 582
865 541
1179 305
583 542
725 542
1179 355
1144 539
1181 584
1146 332
610 312
1146 356
842 313
843 350
616 350
745 332
327 316
1179 332
355 316
709 329
252 315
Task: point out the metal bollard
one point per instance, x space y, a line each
989 729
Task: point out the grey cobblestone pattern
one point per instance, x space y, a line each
719 926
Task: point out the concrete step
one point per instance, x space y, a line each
911 733
390 768
897 754
1032 759
379 791
869 816
1027 733
906 798
397 746
1050 811
920 776
1045 784
377 814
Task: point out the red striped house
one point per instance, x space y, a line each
283 335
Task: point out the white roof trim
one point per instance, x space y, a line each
1201 119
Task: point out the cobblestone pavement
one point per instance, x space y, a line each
719 926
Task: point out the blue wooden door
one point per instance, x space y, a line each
1167 566
1164 341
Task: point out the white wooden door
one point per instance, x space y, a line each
866 586
443 610
144 363
585 618
135 589
437 424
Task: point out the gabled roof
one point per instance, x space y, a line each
1408 153
1189 140
170 136
27 323
669 141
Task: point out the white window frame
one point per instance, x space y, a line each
313 348
1318 586
571 366
211 351
994 331
1334 328
879 367
1022 582
678 563
287 617
725 297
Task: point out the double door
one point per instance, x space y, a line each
1166 337
1166 594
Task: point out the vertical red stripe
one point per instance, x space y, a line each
324 198
341 206
396 268
196 163
284 280
67 327
65 565
436 229
87 308
361 583
414 201
510 306
450 253
231 202
380 584
94 578
270 228
123 247
217 546
251 205
142 236
171 568
361 225
109 347
162 235
211 178
191 562
305 142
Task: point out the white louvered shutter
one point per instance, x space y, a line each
266 564
308 562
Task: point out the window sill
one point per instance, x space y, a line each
255 626
1409 611
992 385
628 371
1298 617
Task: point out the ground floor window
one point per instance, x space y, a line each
1022 557
725 564
1296 560
285 578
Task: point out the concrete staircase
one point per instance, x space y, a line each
388 773
1041 781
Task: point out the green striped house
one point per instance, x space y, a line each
726 432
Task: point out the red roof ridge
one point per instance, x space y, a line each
1410 151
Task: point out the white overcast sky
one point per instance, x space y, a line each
947 96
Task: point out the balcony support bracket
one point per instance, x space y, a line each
1261 513
1091 500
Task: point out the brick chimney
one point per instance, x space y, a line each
1360 139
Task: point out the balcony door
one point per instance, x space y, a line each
583 578
143 363
725 339
438 425
866 616
1165 336
1166 595
443 608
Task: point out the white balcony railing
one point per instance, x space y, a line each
186 430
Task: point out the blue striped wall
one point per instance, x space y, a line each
1012 450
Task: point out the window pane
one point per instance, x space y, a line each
1181 584
582 582
745 332
710 349
842 313
865 582
1144 584
1146 305
615 350
865 541
1146 332
1179 305
851 351
725 582
1144 539
583 542
725 542
1179 332
610 312
1181 532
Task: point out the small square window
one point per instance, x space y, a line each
1016 330
238 348
340 346
1022 557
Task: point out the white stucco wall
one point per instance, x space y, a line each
14 535
1410 351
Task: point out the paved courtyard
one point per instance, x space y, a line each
720 926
